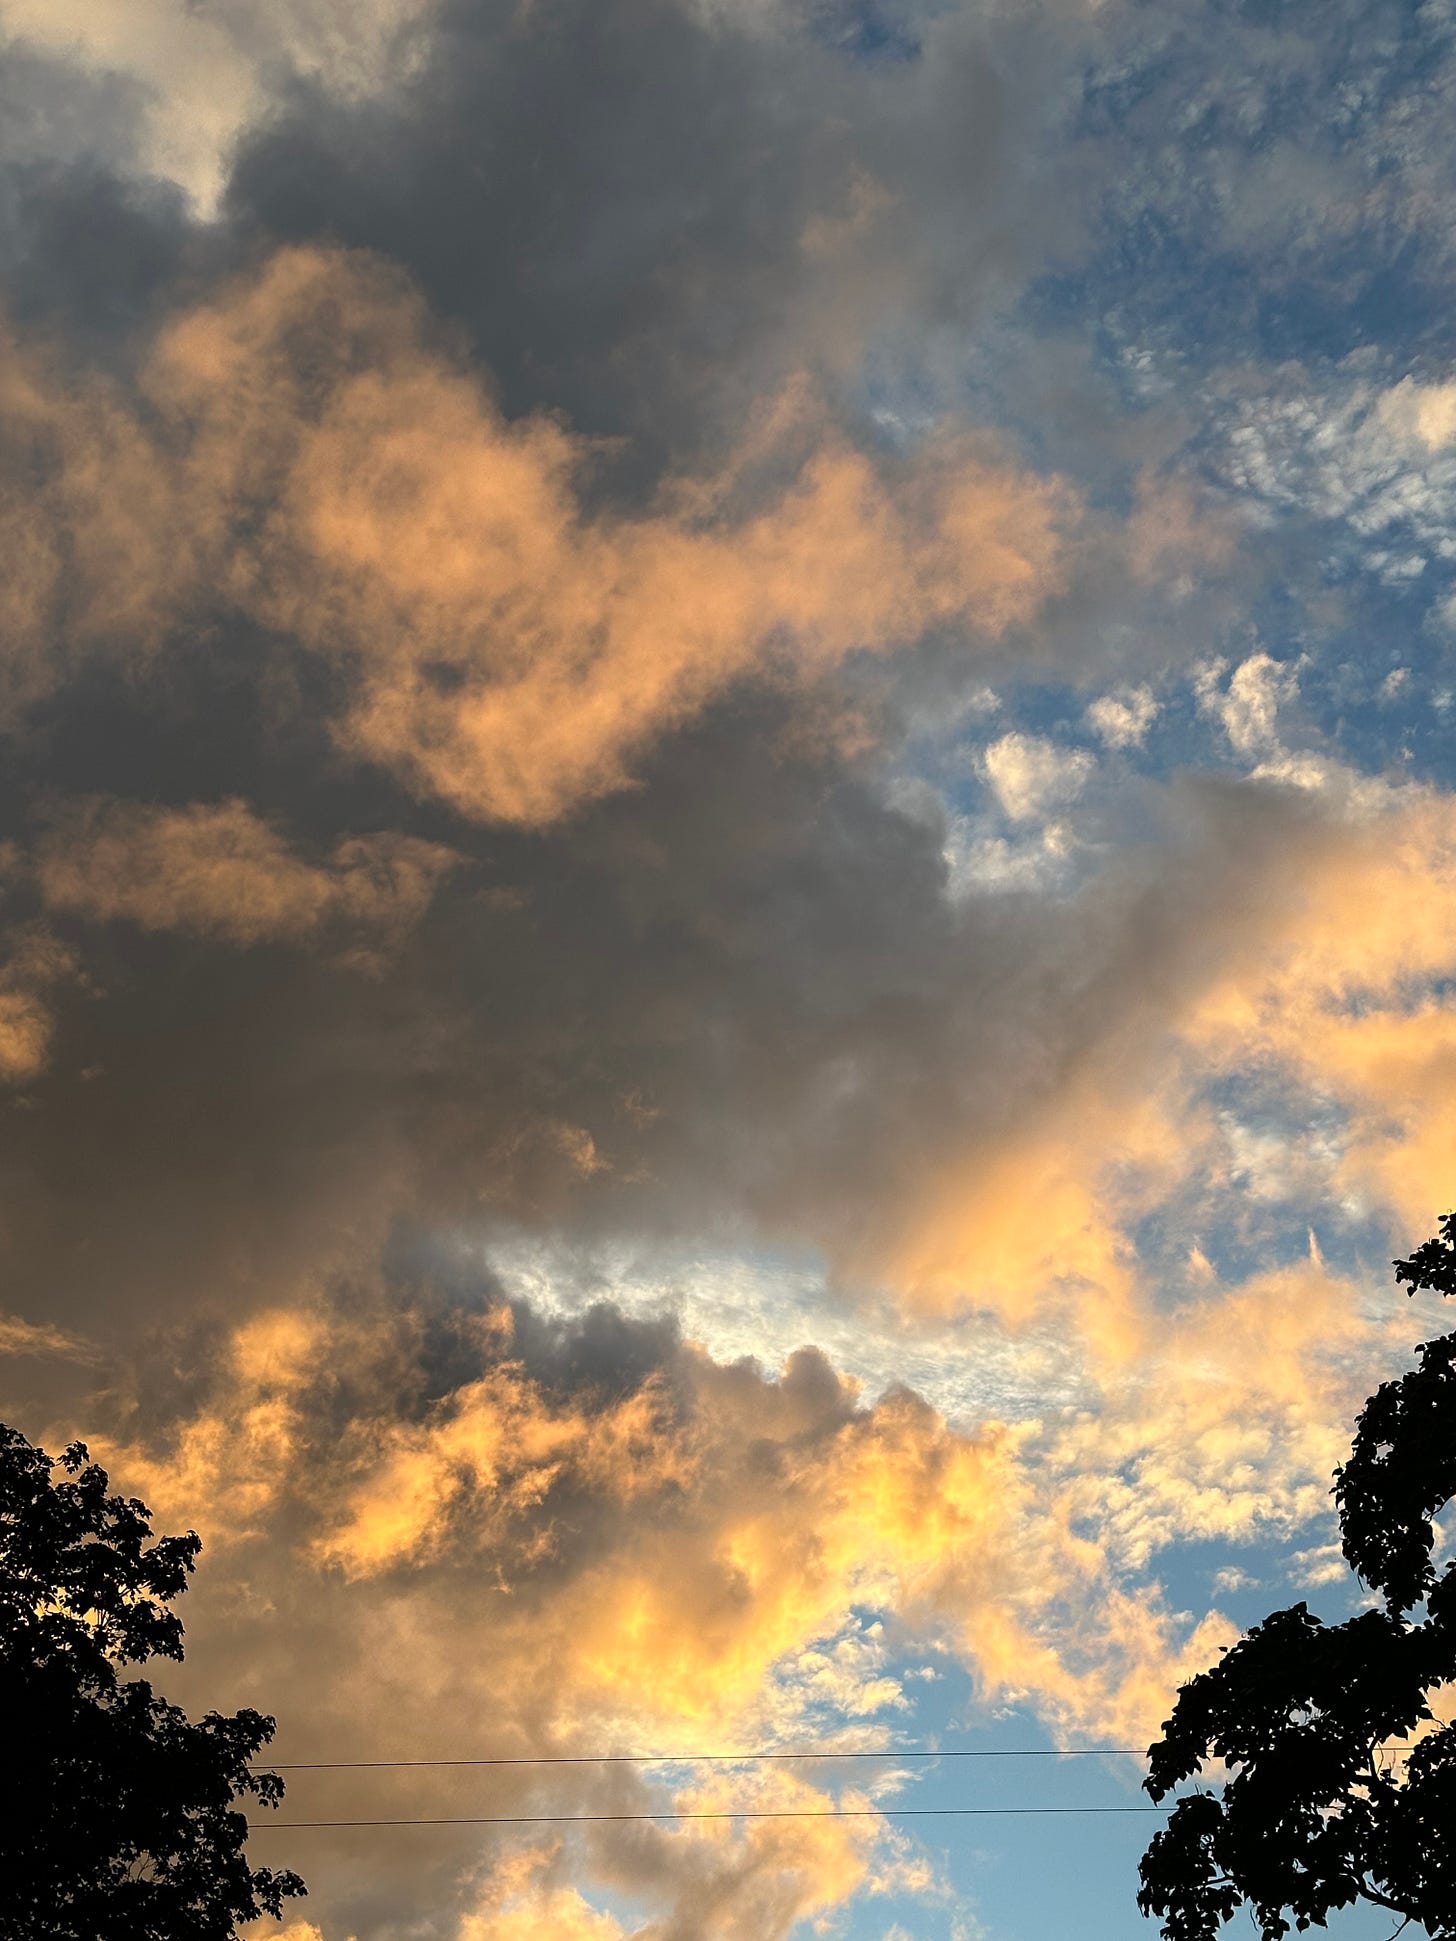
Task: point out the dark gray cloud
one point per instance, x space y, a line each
648 214
90 245
737 995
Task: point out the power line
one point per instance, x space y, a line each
697 1758
733 1758
753 1813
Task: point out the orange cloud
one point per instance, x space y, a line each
683 1557
1230 1422
721 1880
101 543
312 455
18 1337
1319 954
1349 994
219 870
716 1880
37 963
668 1561
520 1901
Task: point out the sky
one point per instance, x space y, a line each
729 877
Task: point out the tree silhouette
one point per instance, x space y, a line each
117 1816
1318 1812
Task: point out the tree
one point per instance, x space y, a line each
117 1816
1320 1810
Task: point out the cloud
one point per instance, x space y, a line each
37 964
1423 414
765 1877
548 1587
19 1337
1340 449
205 76
740 199
714 1880
1122 720
1349 995
519 1901
511 566
1030 774
1317 959
987 1142
218 870
680 1549
589 1533
1247 707
652 1540
1231 1422
498 646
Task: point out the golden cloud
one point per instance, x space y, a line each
1319 953
37 963
519 1900
716 1880
1230 1422
683 1557
1349 993
666 1559
309 453
218 869
19 1337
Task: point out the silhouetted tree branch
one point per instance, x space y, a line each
117 1812
1309 1820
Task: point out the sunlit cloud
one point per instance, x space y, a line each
499 648
217 869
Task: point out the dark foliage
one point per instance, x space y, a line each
1322 1806
117 1813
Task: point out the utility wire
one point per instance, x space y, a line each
733 1758
696 1758
759 1813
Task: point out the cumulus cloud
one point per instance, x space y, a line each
219 870
551 1595
498 647
1247 705
519 1899
603 1536
1030 775
635 1525
559 1612
1122 720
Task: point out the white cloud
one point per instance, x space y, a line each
1247 708
1030 775
1122 719
1324 1564
1232 1578
1381 460
1420 415
979 861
